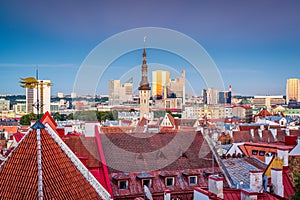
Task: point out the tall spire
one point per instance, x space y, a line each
144 84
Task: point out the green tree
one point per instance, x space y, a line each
87 115
104 115
297 186
70 116
26 119
57 116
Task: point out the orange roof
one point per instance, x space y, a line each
9 129
62 175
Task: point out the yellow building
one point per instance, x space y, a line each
292 90
160 79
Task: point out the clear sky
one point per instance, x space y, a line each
255 44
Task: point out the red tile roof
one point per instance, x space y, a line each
288 185
9 129
18 136
143 151
61 178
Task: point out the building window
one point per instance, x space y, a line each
254 152
170 181
192 180
123 185
146 182
262 153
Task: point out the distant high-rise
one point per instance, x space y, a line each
114 92
126 92
177 87
210 96
39 96
160 79
292 90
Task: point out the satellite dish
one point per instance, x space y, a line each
147 193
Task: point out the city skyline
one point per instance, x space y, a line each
255 45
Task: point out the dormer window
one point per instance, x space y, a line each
169 181
146 182
192 180
123 184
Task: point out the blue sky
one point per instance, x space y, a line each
255 44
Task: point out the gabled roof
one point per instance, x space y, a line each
43 166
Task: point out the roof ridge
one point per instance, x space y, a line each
103 193
39 163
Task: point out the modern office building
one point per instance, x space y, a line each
114 92
38 98
292 90
160 80
267 101
176 87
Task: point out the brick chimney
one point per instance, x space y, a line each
215 185
256 180
276 180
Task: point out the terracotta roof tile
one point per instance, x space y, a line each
61 179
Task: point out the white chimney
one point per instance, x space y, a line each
260 133
248 195
274 133
276 180
256 180
215 185
167 195
283 154
287 131
252 132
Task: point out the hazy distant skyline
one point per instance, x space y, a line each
255 44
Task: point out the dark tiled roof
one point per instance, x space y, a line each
61 179
182 150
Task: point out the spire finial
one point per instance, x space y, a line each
145 37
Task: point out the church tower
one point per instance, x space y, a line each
144 89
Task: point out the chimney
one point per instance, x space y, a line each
256 181
215 185
274 133
167 195
252 132
287 131
276 180
260 133
283 154
248 195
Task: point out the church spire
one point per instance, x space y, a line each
144 84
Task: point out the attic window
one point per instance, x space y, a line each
169 181
254 152
123 185
192 180
262 153
146 182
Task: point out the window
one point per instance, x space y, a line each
262 153
192 180
146 182
254 152
123 185
170 181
